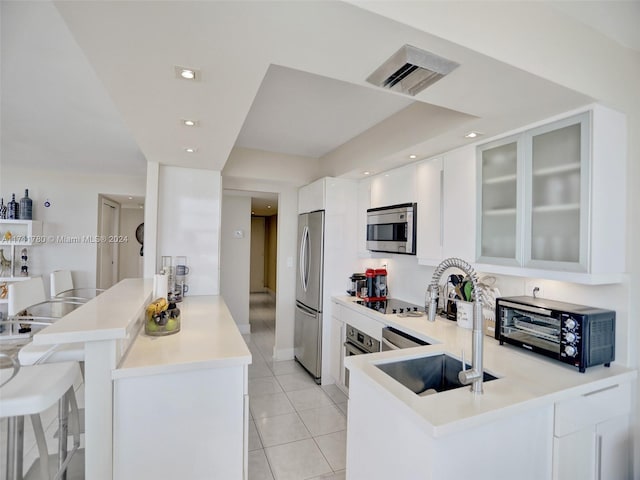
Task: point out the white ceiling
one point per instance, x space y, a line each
300 113
90 86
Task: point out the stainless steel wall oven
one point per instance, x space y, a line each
358 343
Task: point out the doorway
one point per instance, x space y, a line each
109 230
120 222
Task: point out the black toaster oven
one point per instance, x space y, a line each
574 334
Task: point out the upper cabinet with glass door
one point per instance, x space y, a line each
551 200
499 165
557 215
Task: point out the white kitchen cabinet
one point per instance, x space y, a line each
429 230
552 199
394 187
459 186
592 436
386 442
363 203
311 197
499 201
336 351
446 188
192 421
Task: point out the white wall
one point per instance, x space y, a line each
189 205
73 213
235 257
130 261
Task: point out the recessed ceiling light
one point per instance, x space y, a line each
366 173
130 198
472 134
268 206
190 150
184 73
413 156
190 123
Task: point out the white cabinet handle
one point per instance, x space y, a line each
595 392
598 457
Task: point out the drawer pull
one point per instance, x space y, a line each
611 387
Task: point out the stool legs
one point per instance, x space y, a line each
63 419
15 440
15 445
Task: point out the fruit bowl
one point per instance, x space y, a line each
165 322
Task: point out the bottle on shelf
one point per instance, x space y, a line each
3 209
26 207
13 208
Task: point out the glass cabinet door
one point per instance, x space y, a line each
556 214
499 202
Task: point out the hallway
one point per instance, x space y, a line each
297 429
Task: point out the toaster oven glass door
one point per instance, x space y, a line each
531 326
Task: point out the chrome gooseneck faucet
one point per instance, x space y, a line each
475 375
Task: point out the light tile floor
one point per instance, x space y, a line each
298 430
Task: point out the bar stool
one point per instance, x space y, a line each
62 287
31 390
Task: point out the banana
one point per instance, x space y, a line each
157 306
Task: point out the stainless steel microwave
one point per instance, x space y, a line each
392 229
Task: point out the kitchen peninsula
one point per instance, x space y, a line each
156 407
538 419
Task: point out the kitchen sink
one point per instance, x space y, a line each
427 375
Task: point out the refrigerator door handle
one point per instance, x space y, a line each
304 259
306 311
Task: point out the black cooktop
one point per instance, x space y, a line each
392 305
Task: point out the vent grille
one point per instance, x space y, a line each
411 70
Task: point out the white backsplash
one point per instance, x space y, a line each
408 281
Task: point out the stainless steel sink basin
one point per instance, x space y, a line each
427 375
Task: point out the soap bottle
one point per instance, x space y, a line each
12 208
26 206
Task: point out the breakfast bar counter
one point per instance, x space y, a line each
154 403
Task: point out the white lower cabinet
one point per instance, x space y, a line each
336 363
592 436
182 424
387 441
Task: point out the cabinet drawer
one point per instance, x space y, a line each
591 408
363 323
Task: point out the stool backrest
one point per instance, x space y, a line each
61 281
24 294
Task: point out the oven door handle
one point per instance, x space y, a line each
351 348
392 346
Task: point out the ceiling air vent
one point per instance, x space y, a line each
411 70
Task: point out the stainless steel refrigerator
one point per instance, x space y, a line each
308 319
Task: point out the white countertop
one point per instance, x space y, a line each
525 380
109 316
208 338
